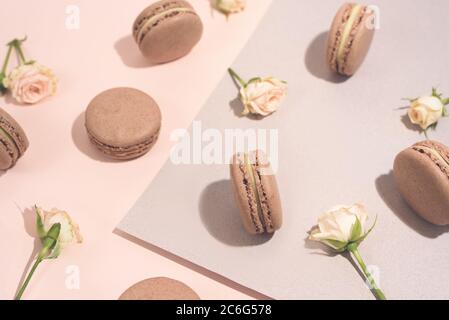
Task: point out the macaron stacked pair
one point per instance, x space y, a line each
167 30
123 123
422 176
350 38
256 192
13 141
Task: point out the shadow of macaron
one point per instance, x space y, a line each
386 187
315 60
81 141
220 215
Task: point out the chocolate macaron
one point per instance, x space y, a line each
123 123
422 176
13 141
159 289
350 38
167 30
256 192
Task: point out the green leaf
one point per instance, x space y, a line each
436 94
2 87
39 225
411 100
50 241
356 230
338 246
433 126
446 101
369 231
445 114
256 79
55 252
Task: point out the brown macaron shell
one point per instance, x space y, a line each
123 123
270 217
423 180
335 34
357 44
160 288
8 154
13 141
170 37
268 193
245 196
155 9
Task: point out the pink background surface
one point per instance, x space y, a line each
62 170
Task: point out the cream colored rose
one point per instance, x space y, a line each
426 111
31 83
341 226
230 6
70 232
263 96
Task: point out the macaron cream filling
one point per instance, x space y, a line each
355 13
156 17
9 139
433 152
252 177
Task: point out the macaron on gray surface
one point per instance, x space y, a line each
13 141
350 38
167 30
123 123
159 289
421 173
256 192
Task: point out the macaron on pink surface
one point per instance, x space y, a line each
167 30
350 38
159 289
123 123
256 192
421 173
13 141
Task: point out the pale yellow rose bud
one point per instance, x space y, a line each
263 96
230 6
426 111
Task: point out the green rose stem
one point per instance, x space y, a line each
48 243
237 77
5 63
17 44
4 67
353 248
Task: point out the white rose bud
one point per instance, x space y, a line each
341 226
263 96
31 83
230 6
426 111
69 233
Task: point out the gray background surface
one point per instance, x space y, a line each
338 140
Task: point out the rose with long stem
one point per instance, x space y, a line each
56 229
343 228
48 244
